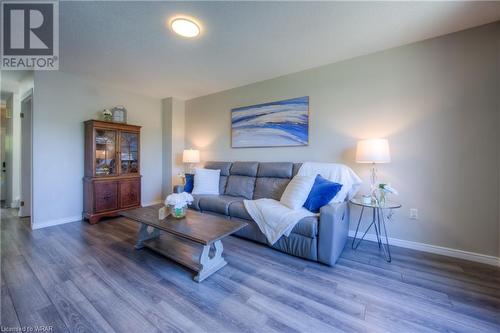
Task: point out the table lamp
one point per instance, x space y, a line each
190 157
373 151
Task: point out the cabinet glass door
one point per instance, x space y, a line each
105 152
129 152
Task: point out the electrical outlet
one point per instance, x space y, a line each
413 213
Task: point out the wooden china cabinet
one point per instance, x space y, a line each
112 180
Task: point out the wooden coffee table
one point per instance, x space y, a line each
194 241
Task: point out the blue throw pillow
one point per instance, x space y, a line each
188 187
322 192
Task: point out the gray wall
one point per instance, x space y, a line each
437 103
61 103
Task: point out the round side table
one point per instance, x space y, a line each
378 221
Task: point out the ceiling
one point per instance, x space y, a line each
127 44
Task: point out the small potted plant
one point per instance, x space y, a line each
177 203
107 115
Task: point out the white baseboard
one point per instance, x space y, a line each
446 251
75 218
51 223
151 203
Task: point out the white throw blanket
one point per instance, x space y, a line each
275 219
338 173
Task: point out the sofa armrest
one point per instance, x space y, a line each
333 232
178 188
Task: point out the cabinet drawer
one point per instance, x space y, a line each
105 196
130 193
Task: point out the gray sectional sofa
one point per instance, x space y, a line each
320 238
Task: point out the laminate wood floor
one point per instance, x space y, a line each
88 278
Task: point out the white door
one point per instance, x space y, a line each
26 125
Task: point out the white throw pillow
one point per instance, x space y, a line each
297 191
206 181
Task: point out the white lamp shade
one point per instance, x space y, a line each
373 151
191 156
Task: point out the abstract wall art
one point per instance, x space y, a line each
276 124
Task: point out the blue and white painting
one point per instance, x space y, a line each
275 124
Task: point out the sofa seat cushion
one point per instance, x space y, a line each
237 209
307 227
298 245
217 203
196 200
251 231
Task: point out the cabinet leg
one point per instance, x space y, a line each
94 220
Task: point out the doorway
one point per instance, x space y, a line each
25 204
6 156
3 153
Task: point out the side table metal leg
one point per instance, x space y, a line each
357 227
378 232
355 246
386 246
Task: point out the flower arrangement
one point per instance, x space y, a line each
388 189
384 189
177 202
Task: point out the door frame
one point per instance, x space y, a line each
24 98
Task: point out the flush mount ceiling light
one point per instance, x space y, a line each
185 27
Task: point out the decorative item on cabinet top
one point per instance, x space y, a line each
112 179
119 114
107 115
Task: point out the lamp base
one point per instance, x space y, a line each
373 184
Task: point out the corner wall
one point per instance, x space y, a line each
173 111
61 103
437 103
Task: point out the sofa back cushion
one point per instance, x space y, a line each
272 179
224 168
254 180
271 188
240 186
241 181
275 170
248 169
296 167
